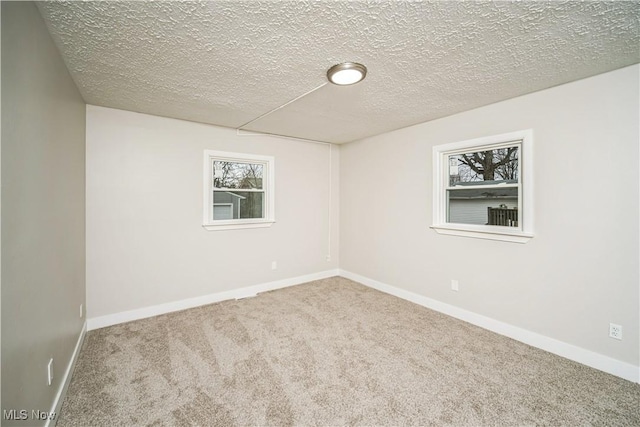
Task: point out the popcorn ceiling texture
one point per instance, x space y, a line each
228 62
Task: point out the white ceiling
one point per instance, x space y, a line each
229 62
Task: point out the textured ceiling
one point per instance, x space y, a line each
229 62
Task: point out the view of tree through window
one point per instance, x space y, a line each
500 164
237 175
483 187
238 191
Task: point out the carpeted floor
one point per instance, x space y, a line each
330 352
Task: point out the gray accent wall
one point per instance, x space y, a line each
43 212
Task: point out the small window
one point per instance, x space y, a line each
238 190
483 188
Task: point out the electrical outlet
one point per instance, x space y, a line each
50 371
81 310
615 331
454 285
328 258
274 265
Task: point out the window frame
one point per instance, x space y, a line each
268 187
521 234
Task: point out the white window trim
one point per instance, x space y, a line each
268 183
524 232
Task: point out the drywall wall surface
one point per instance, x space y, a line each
43 213
578 273
145 241
0 205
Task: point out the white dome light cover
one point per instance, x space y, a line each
347 73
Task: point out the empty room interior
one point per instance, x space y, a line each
246 213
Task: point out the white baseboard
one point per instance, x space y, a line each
142 313
66 379
572 352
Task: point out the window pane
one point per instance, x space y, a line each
243 205
483 206
490 167
237 175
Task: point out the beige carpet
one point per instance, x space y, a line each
330 352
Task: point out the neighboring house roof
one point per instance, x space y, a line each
471 193
235 195
507 193
494 182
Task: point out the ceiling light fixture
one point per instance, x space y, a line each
344 74
347 73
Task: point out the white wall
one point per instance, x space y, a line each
576 275
43 212
145 241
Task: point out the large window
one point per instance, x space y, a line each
483 187
239 190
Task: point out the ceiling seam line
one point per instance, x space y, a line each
281 106
277 135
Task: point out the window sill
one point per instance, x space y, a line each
479 232
236 225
